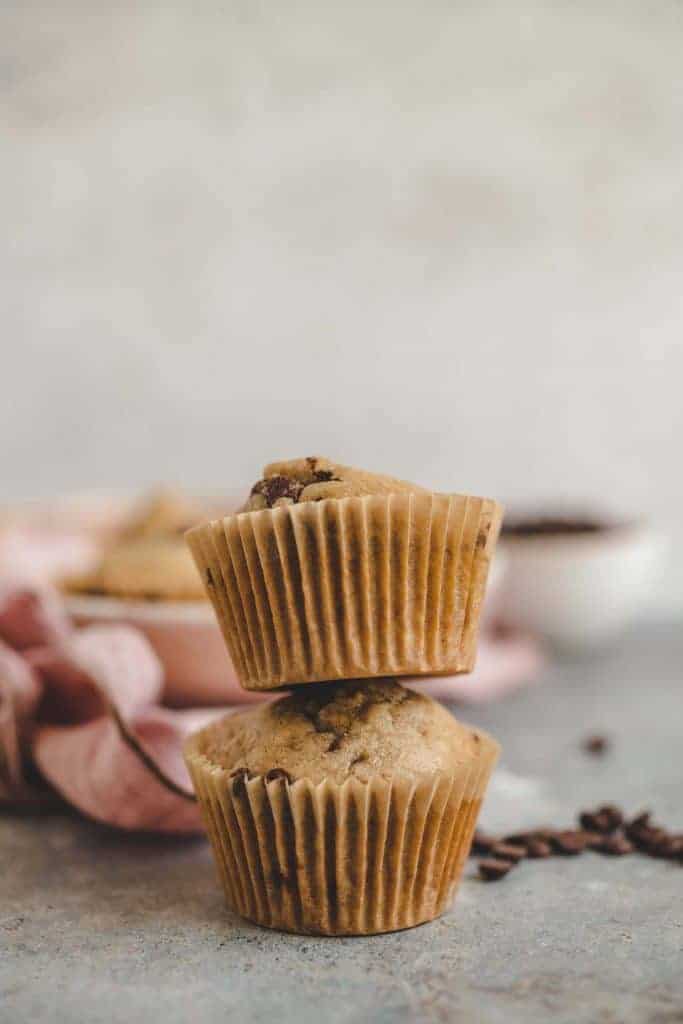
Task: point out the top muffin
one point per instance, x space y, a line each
315 478
330 572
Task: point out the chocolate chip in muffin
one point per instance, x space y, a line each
274 487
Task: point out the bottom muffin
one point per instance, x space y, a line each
343 809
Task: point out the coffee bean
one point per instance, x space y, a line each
641 820
570 842
615 845
492 869
607 818
509 851
538 848
660 845
596 744
482 844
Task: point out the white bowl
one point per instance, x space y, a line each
186 638
579 590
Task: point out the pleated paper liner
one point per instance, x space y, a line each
349 588
352 859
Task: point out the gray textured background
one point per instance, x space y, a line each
443 239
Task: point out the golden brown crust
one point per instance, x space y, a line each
337 731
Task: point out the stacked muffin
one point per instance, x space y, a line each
349 806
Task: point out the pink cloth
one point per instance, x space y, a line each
82 706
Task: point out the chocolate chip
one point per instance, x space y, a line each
596 744
509 851
614 845
482 844
274 487
492 869
277 773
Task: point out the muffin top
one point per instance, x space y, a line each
315 478
358 729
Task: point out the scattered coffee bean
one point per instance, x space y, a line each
616 845
570 842
483 844
538 848
596 744
603 830
492 869
645 836
509 851
661 845
607 818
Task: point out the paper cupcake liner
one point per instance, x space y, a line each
351 859
349 588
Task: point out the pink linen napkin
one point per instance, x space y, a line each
82 706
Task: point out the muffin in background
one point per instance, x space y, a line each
147 558
331 572
343 809
144 576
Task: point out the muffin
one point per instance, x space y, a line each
330 572
343 809
148 559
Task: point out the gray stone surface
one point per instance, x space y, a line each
101 927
